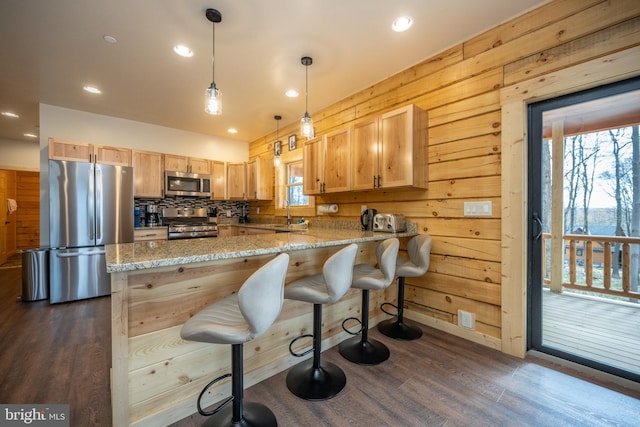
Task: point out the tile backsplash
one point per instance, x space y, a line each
235 207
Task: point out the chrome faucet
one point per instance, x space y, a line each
288 204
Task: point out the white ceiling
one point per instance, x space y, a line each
50 49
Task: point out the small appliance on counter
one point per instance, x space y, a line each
152 217
390 223
212 214
366 219
244 216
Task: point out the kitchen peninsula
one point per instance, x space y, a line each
157 285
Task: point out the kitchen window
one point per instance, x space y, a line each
294 192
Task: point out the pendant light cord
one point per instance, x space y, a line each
213 53
306 90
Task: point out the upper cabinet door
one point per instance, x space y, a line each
176 163
148 174
364 154
199 165
218 180
117 156
312 165
259 179
69 150
236 181
337 157
403 148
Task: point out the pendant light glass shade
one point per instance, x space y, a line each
213 100
306 124
213 96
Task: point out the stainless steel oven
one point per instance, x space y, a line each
189 223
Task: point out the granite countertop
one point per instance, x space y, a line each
162 253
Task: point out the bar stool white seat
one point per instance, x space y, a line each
361 349
315 379
419 249
234 320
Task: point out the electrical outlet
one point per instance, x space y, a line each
228 213
466 320
257 210
478 208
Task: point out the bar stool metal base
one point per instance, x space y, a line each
253 415
310 383
364 352
394 328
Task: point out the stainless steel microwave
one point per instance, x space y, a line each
178 183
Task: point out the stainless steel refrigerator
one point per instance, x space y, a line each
91 205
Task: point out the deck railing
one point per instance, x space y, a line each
588 272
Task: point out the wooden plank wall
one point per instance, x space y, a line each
28 214
460 90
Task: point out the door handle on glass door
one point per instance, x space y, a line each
538 221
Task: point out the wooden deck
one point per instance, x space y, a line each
603 330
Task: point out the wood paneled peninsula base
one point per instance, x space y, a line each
157 285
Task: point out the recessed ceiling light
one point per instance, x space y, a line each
30 135
10 114
402 23
109 39
183 50
91 89
232 130
292 93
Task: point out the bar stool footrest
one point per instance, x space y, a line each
304 353
393 328
316 383
253 415
221 406
386 312
370 352
347 330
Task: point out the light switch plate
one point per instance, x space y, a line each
478 208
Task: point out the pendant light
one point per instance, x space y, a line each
277 146
213 96
306 124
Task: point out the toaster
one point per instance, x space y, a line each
391 223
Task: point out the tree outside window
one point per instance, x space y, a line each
294 192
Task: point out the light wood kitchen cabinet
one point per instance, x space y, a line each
326 163
218 180
173 162
260 179
390 151
226 231
236 181
84 152
156 233
148 174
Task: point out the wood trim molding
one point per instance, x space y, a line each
514 99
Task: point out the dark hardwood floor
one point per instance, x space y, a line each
61 354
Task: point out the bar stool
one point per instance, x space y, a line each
315 379
361 349
234 320
419 249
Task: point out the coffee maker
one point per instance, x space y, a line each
151 215
366 219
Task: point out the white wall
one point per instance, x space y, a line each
19 155
74 125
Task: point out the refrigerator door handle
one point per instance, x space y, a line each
98 202
76 254
91 205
